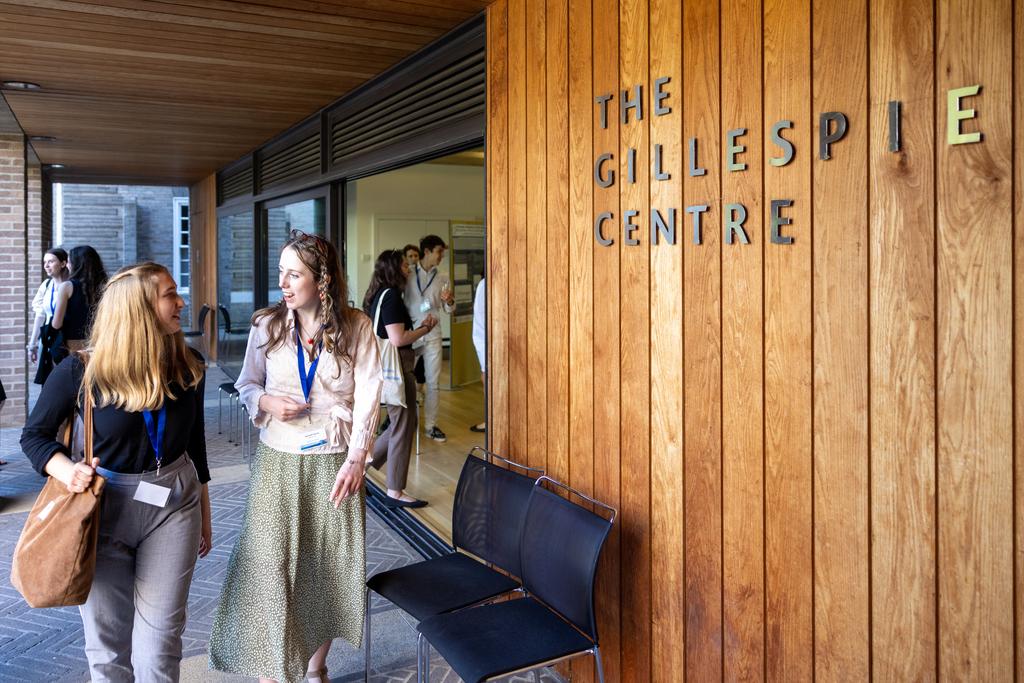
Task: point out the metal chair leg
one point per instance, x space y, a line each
426 660
597 663
366 637
536 675
220 410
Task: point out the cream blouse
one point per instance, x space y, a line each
345 403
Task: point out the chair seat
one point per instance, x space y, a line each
493 640
440 585
228 388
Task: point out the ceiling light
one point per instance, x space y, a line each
55 166
21 85
42 138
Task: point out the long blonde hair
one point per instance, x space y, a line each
133 363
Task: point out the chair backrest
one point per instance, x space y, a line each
561 544
489 508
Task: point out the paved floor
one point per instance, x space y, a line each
46 644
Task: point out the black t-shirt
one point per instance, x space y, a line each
120 439
392 311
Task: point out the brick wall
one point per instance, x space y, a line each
13 276
36 246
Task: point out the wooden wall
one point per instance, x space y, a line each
203 228
817 448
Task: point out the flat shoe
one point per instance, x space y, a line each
477 429
398 503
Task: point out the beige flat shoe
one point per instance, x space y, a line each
320 676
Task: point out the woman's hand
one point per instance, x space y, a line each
33 352
283 408
206 534
77 476
350 477
430 322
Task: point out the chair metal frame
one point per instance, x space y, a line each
423 645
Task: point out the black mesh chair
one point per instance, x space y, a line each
561 544
487 518
200 330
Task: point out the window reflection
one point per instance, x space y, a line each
308 216
234 288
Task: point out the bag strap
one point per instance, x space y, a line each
87 413
380 303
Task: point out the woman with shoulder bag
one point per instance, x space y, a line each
147 390
44 304
385 303
311 383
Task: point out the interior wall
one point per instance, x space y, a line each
811 445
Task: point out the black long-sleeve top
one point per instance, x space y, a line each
120 439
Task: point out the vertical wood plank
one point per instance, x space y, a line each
536 235
497 283
788 350
902 345
517 244
742 370
634 331
607 395
702 329
1018 337
557 294
841 449
667 660
581 264
975 327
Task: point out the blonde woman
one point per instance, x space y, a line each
311 382
150 445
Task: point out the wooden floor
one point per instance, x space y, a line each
434 472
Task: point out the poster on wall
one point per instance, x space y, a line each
467 265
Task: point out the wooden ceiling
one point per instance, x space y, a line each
167 92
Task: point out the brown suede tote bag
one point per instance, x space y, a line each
55 559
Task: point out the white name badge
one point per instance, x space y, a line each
425 306
151 494
313 439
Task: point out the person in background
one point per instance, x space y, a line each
76 301
311 382
55 263
412 254
427 292
387 291
480 341
148 426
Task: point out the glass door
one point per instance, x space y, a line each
307 212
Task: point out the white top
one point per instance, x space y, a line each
41 301
425 285
480 325
345 400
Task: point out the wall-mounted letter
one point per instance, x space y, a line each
629 227
658 225
826 135
602 103
600 176
786 145
659 95
659 174
631 165
735 217
954 115
694 169
697 210
894 126
601 218
732 149
636 103
778 220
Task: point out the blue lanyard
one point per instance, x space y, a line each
429 282
306 378
156 433
53 307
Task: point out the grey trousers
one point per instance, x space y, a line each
135 614
395 444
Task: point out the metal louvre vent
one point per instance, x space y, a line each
236 184
452 93
295 161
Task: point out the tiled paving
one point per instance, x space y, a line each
46 644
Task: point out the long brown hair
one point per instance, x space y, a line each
336 316
387 272
133 363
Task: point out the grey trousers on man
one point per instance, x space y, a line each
395 444
135 613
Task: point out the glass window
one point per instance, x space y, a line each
308 215
235 286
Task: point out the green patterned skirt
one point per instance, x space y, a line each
297 574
